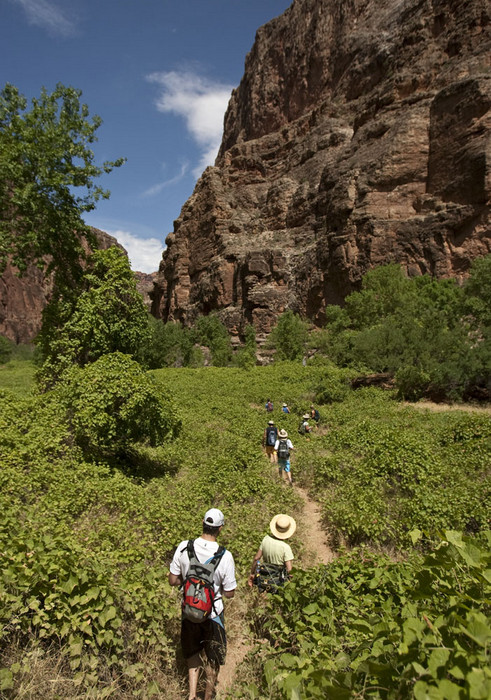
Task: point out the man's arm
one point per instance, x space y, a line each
288 566
175 580
257 557
228 594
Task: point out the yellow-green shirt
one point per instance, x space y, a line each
275 551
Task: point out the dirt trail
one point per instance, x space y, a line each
317 552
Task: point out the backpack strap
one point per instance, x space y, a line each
216 558
190 549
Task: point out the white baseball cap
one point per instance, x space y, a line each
214 517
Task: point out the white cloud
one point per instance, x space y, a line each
155 189
144 253
201 103
45 14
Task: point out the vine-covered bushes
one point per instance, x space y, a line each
365 626
381 470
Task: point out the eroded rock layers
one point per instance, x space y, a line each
359 135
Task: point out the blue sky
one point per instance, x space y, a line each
158 72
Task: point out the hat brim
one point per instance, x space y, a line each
282 534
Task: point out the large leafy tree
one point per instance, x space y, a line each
106 314
289 336
47 173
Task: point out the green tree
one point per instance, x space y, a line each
246 355
210 331
289 337
170 345
105 314
45 158
384 289
113 403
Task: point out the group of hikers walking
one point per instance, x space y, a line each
206 571
278 445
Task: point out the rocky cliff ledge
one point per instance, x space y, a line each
359 135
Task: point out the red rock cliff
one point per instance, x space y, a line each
359 135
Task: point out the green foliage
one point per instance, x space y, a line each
431 334
45 157
112 403
169 345
212 333
86 546
75 331
382 470
333 385
368 627
289 337
6 348
246 355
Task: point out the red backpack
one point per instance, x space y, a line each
198 601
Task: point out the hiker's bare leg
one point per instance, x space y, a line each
194 665
211 671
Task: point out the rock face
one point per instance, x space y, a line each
22 299
144 284
358 136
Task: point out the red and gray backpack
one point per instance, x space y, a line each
198 602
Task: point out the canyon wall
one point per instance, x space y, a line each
358 136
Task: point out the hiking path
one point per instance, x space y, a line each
317 552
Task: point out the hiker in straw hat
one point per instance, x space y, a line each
283 448
274 551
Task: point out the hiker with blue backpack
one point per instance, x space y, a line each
206 572
273 560
283 449
270 436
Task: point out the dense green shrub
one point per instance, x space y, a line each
112 403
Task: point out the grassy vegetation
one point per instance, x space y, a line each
85 605
17 376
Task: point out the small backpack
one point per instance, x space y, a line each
271 435
302 429
269 577
316 415
198 601
269 406
283 451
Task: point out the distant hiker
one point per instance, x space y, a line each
269 406
272 563
207 573
314 413
285 408
270 436
283 448
304 428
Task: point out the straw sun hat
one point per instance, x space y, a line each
282 526
283 433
